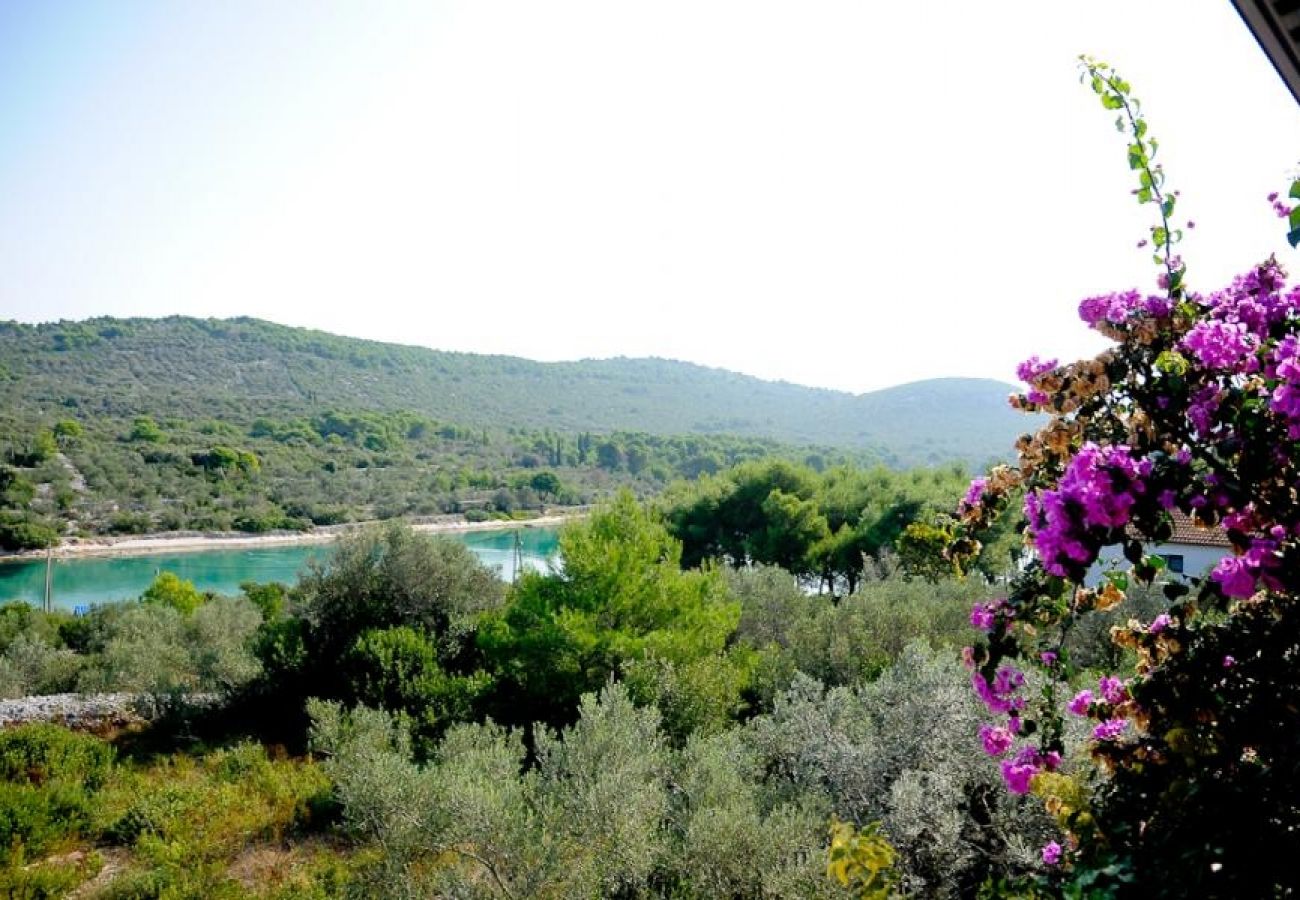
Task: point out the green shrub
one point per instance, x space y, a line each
35 754
703 696
46 880
390 576
168 589
851 641
220 636
271 598
730 837
37 817
620 596
18 618
18 532
143 649
129 523
33 666
397 669
184 810
152 647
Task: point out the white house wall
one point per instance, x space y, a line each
1197 560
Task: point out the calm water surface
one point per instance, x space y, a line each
81 582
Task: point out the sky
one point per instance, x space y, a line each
841 194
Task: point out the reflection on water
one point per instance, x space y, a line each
86 580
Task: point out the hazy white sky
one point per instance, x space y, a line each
847 194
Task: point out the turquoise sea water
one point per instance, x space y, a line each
87 580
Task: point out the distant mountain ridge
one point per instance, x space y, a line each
241 368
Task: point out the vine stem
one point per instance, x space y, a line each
1111 81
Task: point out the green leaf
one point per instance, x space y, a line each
1119 579
1171 362
1293 238
1295 189
1294 219
1168 207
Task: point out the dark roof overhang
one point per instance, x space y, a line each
1276 25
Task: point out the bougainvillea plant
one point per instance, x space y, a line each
1191 785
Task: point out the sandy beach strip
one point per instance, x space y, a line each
194 542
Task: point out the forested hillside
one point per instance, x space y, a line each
235 370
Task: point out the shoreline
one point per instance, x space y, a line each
197 542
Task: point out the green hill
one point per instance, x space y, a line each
236 370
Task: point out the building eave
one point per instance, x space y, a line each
1276 26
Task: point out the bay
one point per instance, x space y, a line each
83 581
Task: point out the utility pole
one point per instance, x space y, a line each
49 578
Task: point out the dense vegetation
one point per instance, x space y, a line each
820 525
257 473
132 426
622 725
236 370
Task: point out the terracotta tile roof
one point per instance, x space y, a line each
1188 532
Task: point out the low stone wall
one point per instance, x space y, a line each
91 711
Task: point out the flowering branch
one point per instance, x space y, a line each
1115 94
1193 415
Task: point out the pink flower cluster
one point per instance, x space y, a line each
1254 300
1110 729
1203 409
1095 495
1110 690
984 615
997 739
1002 695
1116 308
1032 368
1239 576
1030 371
1285 398
974 495
1019 771
1281 209
1238 320
1081 703
1222 346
